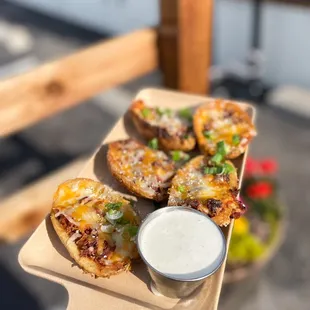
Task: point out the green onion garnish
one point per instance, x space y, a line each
208 134
221 148
176 155
132 230
122 221
153 144
217 158
162 111
181 188
179 156
236 139
113 206
186 113
146 112
223 169
228 168
213 170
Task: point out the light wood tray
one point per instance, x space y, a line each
43 254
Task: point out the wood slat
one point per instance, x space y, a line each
58 85
24 210
185 37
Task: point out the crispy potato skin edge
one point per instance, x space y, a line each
112 164
86 264
149 131
201 139
195 162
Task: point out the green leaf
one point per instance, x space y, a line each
208 134
236 139
181 188
146 112
186 113
113 205
153 144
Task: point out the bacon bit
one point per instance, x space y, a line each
163 133
235 215
193 203
107 249
68 226
75 236
87 246
214 206
228 113
88 231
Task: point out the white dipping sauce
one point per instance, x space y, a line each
182 244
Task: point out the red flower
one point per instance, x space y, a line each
259 190
269 166
252 166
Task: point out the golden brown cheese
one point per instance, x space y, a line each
172 128
223 120
214 195
96 224
142 170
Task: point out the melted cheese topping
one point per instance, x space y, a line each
146 168
222 121
193 188
170 121
85 203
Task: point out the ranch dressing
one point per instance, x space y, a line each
182 245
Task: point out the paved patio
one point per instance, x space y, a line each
24 157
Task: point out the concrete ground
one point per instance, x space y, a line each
24 157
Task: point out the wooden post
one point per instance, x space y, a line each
185 36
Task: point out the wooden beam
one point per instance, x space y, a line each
185 38
23 211
61 84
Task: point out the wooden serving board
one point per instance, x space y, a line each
44 255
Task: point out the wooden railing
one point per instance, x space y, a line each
182 49
64 83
